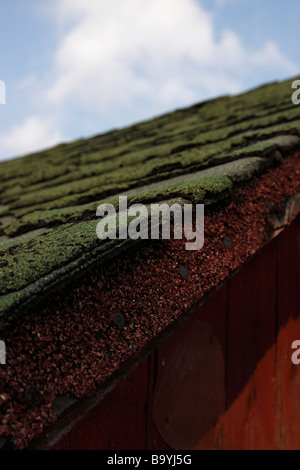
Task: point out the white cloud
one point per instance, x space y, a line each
32 134
124 60
270 55
161 51
122 50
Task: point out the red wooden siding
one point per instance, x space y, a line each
224 379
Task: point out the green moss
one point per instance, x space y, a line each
26 262
61 187
76 169
196 191
29 261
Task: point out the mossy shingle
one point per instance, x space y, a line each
60 188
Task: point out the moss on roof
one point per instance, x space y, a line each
195 154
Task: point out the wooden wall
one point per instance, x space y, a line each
224 379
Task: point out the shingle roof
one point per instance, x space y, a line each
238 155
48 200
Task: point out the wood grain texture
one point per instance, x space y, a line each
288 304
251 324
190 390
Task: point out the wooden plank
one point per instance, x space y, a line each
189 394
250 416
288 374
118 422
214 311
154 439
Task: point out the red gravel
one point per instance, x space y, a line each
77 338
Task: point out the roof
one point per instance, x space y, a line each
49 199
238 155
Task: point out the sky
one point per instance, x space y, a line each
76 68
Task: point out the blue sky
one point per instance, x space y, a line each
75 68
